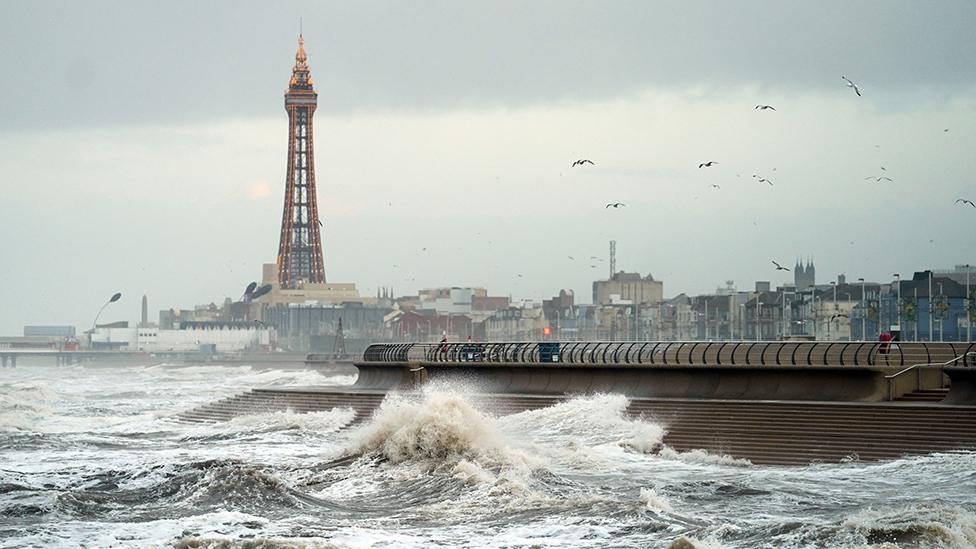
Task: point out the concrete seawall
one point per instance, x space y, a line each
822 383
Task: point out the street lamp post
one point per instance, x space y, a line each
742 321
864 312
941 320
969 306
931 308
783 314
898 301
115 297
758 311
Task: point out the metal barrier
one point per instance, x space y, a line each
679 353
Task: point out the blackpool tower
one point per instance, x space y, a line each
300 246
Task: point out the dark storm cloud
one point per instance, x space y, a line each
108 63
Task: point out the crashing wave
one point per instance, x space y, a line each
435 427
923 525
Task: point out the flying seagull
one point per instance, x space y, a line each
852 85
614 205
964 201
878 179
763 180
764 107
582 161
714 185
708 164
571 257
779 267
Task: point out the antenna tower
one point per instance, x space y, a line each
339 345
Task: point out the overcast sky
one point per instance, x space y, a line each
142 145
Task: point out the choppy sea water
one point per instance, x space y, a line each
90 457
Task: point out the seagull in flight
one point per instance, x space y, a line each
763 180
779 267
582 161
714 185
852 85
614 205
878 179
571 257
708 164
964 201
765 107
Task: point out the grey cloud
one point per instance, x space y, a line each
108 63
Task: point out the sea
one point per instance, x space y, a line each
92 456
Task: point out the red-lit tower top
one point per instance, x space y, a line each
300 247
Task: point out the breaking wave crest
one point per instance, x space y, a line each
440 428
591 420
23 404
925 525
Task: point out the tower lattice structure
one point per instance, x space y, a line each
300 247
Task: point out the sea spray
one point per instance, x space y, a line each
590 421
654 502
438 428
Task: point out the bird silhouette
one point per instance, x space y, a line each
878 179
582 161
765 107
964 201
852 85
714 185
779 267
763 180
614 205
708 164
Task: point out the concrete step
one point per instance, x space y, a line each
924 395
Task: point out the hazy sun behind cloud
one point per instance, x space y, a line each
258 189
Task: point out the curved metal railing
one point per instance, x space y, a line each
678 353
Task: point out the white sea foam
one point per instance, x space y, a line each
325 421
702 457
24 404
589 421
225 542
927 525
654 502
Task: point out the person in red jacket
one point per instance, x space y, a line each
885 339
